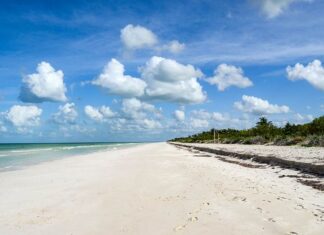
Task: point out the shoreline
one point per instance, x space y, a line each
155 189
19 156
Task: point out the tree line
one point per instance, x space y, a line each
309 134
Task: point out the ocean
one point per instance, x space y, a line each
17 156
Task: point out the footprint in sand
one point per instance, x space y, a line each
259 209
178 228
236 198
181 227
300 206
193 219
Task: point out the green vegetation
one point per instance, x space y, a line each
265 132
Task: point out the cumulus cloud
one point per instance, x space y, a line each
107 112
93 113
136 109
251 104
303 118
66 114
171 81
179 115
174 47
312 73
197 123
215 116
45 85
137 37
99 114
113 79
149 124
203 114
229 75
24 116
161 79
273 8
202 119
137 115
124 125
218 117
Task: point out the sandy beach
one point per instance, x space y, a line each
156 189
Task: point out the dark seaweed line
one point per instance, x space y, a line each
309 168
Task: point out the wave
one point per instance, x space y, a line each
56 148
79 147
30 150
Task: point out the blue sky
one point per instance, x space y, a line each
153 70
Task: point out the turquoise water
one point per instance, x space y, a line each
17 156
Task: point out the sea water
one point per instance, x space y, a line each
17 156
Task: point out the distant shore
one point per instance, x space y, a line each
159 189
266 133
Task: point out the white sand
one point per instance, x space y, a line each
155 189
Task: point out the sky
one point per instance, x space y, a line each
153 70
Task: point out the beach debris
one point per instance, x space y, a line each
313 183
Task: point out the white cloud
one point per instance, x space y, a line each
113 79
107 112
137 37
93 113
137 115
66 114
197 123
162 79
312 73
213 116
202 114
149 124
168 70
251 104
45 85
229 75
201 119
24 116
304 118
136 109
99 114
218 117
180 115
171 81
125 125
273 8
174 47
